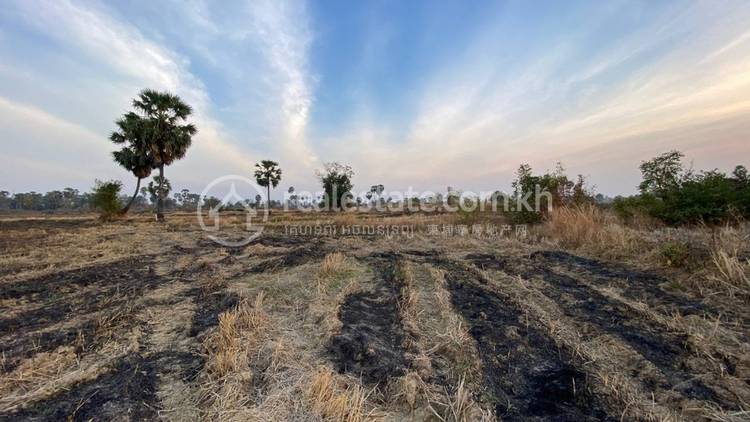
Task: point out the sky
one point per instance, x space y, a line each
419 94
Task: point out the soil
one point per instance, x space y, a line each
369 344
528 377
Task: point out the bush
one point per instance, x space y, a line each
679 197
544 192
106 198
674 254
632 208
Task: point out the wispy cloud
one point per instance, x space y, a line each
285 37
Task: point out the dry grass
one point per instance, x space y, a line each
239 333
591 228
333 398
267 359
731 271
333 264
38 370
408 301
333 270
462 408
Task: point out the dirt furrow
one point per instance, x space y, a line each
638 285
370 343
527 376
655 343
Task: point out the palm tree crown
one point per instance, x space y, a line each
167 133
268 174
166 114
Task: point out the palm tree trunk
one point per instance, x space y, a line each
127 207
268 197
160 195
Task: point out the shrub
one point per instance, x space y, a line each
674 254
544 192
631 208
678 197
106 198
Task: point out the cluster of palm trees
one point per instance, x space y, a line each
153 136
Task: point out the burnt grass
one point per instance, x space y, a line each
638 285
369 344
126 392
106 288
526 374
297 256
131 270
665 350
210 305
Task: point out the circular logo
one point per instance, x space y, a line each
223 192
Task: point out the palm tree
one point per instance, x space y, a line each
268 174
169 137
135 156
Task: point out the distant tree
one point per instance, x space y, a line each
293 198
676 196
53 200
106 198
377 190
258 198
268 174
662 173
168 134
5 200
740 174
336 179
158 188
71 198
211 202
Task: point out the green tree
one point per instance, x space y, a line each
336 179
211 202
268 174
106 198
662 173
168 134
158 187
740 174
5 200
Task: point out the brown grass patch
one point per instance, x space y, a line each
334 399
591 228
334 269
730 271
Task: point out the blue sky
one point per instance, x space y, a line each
422 94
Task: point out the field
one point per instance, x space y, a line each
580 319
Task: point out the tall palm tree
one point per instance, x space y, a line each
169 134
268 173
135 156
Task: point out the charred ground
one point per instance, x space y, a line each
100 326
